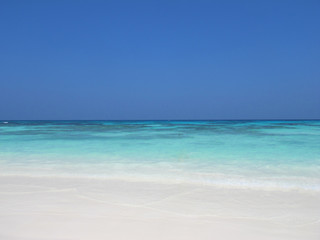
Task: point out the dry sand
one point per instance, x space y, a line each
78 208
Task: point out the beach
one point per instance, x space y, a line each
66 208
159 120
159 180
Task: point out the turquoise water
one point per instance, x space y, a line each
249 154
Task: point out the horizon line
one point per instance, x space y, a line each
240 119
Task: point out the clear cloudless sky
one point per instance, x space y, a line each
159 59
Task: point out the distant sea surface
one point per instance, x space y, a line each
279 155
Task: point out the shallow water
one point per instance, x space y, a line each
246 154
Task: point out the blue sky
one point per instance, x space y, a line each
159 59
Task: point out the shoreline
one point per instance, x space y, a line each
79 208
219 180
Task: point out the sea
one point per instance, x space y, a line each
269 155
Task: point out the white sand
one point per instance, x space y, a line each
61 208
